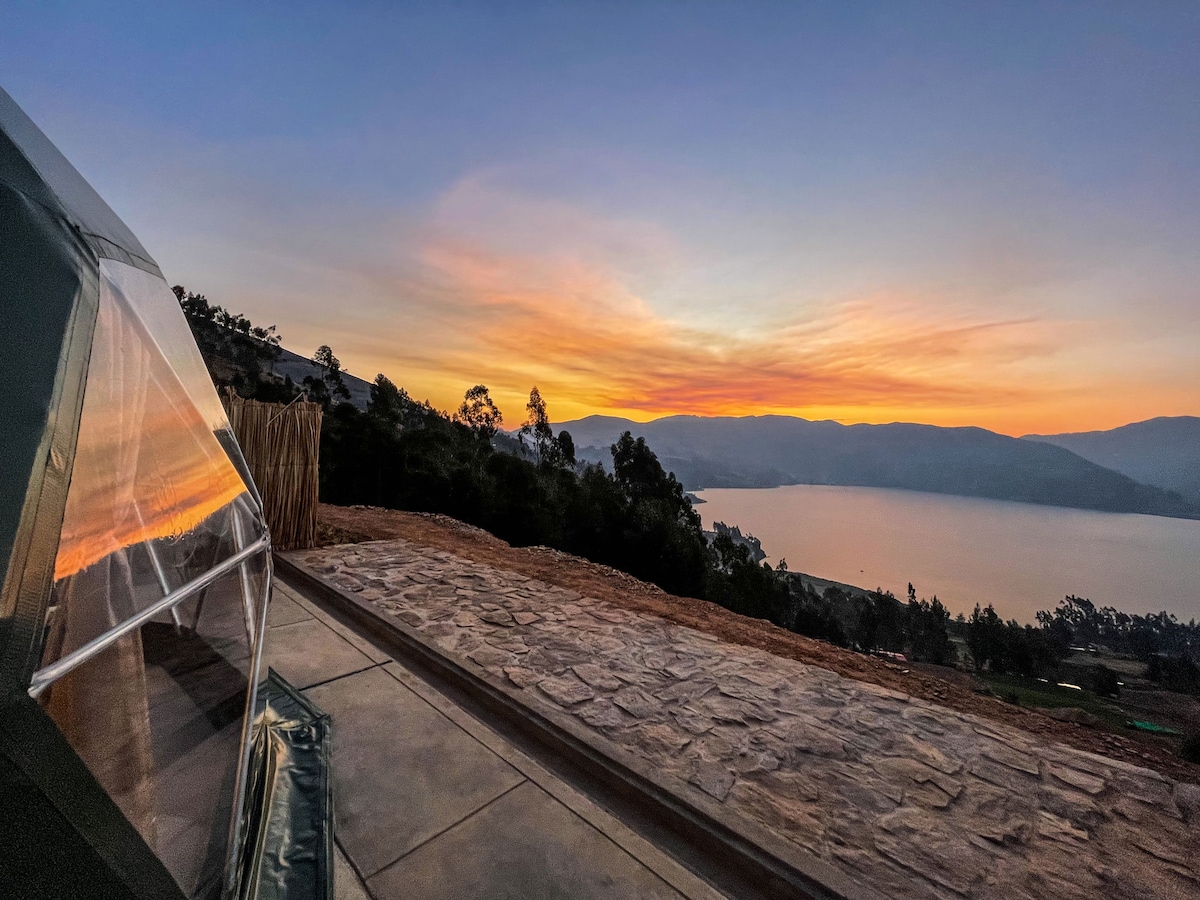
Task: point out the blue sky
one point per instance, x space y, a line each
953 213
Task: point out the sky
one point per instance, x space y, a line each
957 214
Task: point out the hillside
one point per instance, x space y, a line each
296 367
935 684
1163 452
767 451
249 359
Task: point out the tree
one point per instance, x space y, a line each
387 403
638 472
559 453
565 449
817 615
985 638
480 414
926 625
740 584
537 425
866 622
233 347
939 647
890 635
729 556
324 357
662 533
331 380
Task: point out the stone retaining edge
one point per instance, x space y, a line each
773 864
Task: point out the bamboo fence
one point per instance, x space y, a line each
281 443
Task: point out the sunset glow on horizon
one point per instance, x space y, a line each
593 347
952 216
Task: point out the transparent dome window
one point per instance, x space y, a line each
154 628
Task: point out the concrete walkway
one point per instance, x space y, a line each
432 804
911 799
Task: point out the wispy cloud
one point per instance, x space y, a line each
590 342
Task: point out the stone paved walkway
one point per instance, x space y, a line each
910 798
432 804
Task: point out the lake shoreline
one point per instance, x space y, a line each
695 496
1019 557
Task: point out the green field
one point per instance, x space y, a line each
1031 692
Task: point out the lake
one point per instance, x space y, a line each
1017 556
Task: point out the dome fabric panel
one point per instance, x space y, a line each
49 286
79 201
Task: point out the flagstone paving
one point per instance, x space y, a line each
910 798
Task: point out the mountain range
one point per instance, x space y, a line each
1149 467
1142 468
1164 452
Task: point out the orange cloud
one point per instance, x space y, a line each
593 346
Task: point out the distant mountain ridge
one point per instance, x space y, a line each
1164 452
768 451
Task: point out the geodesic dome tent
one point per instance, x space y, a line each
136 561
